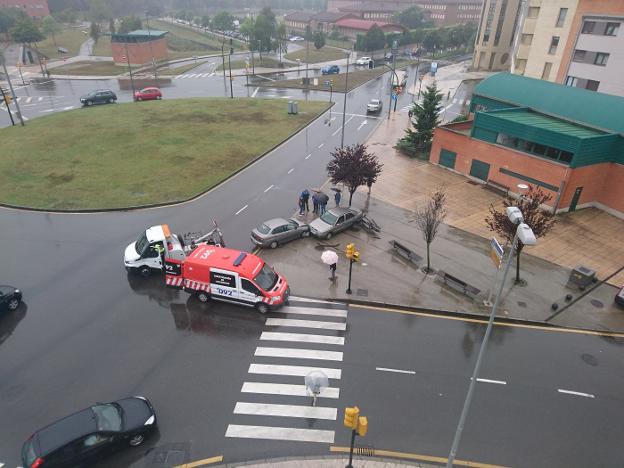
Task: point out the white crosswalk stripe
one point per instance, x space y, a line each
307 299
275 322
299 353
286 411
297 371
287 389
314 311
280 433
302 338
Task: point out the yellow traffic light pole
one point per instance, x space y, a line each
353 257
358 425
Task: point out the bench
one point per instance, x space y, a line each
496 187
458 285
405 252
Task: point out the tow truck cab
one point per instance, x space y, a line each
228 275
146 253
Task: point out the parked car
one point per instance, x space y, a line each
363 61
278 231
330 70
99 96
89 434
335 220
147 94
296 39
374 106
10 297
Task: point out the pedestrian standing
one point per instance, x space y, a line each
315 204
306 199
332 271
323 206
301 206
337 197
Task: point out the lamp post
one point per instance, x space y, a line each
394 75
420 79
6 73
525 234
223 55
130 70
344 105
230 67
150 46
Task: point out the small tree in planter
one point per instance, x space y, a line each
353 166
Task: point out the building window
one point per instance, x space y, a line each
612 29
579 55
527 39
592 85
546 71
571 81
554 42
561 18
533 12
588 27
520 66
601 59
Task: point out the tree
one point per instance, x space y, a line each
66 16
50 27
205 21
282 40
94 31
374 39
265 31
8 18
319 39
428 219
26 31
412 18
223 21
111 26
540 221
353 166
427 118
247 29
432 40
129 23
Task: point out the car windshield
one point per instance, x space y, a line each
108 417
267 278
28 452
293 224
329 218
264 229
142 244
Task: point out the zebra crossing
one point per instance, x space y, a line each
306 336
461 102
194 75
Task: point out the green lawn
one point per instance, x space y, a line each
120 155
70 38
190 41
356 78
324 54
267 62
90 68
103 47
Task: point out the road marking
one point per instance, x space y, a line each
398 371
297 353
255 92
291 170
321 145
280 433
275 322
499 382
191 75
204 462
28 99
40 98
18 99
308 299
308 156
570 392
297 371
302 338
268 188
361 125
68 108
286 411
286 389
416 456
313 311
241 210
348 120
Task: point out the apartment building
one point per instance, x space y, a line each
33 8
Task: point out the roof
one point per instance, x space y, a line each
329 16
299 16
65 430
140 35
373 7
356 23
544 122
590 108
219 257
145 32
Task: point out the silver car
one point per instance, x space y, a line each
278 231
335 220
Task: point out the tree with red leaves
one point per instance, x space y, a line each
353 166
540 221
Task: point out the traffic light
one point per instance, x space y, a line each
356 256
351 417
350 250
362 428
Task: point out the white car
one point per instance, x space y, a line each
296 39
374 106
363 61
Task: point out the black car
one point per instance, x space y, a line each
10 297
91 433
99 96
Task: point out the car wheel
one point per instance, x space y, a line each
274 245
111 100
328 236
203 297
89 103
136 440
145 271
13 304
158 97
262 308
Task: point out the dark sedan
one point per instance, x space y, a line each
10 297
275 232
99 96
87 435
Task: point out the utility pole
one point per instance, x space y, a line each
130 70
223 55
307 80
6 98
230 67
149 33
6 73
344 105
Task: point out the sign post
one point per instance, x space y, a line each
496 255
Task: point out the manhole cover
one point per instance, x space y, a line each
168 455
596 303
362 292
522 304
589 359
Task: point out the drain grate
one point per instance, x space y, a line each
168 455
365 451
522 304
362 292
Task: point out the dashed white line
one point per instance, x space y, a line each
361 125
291 170
499 382
321 145
308 156
241 210
268 188
28 99
571 392
398 371
348 120
255 92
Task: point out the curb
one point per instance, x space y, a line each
319 457
172 203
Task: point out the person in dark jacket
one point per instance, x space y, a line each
306 199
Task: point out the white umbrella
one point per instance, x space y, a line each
329 257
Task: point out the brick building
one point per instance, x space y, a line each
533 131
33 8
351 27
141 46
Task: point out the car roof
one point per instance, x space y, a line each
340 210
273 223
65 430
219 257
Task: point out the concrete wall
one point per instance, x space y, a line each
139 53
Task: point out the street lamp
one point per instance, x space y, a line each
394 75
129 69
344 105
526 236
150 46
8 78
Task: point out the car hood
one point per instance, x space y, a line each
130 254
135 412
86 96
319 225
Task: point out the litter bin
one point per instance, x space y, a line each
290 107
582 276
295 107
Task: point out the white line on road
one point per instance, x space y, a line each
570 392
499 382
28 99
286 389
308 156
255 92
286 411
241 210
348 120
297 371
361 125
398 371
307 299
268 188
40 98
302 338
68 108
291 170
313 311
321 145
297 353
280 433
275 322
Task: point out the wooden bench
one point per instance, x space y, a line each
496 187
405 252
458 285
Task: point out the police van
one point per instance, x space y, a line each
212 272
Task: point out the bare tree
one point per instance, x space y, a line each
540 221
353 166
429 217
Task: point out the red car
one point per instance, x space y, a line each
147 93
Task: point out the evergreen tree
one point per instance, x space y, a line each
426 119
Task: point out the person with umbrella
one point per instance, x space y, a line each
337 196
329 257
